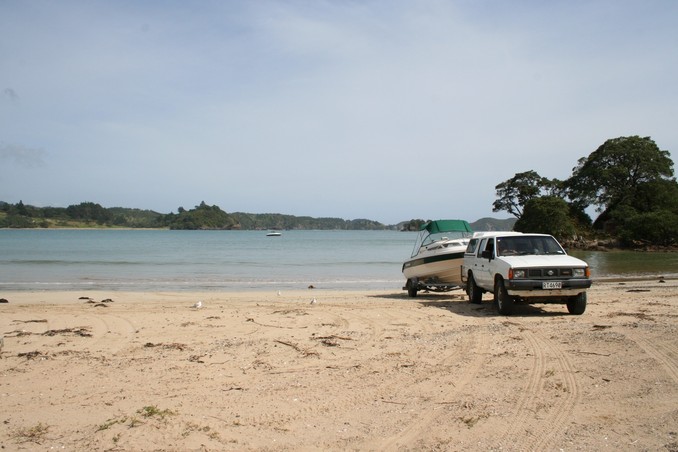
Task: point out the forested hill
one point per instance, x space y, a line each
280 221
493 224
203 216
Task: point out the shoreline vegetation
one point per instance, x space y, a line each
88 215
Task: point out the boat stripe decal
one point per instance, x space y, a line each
428 260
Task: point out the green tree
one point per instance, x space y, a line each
656 195
89 211
547 215
21 209
612 174
414 224
659 227
514 193
203 217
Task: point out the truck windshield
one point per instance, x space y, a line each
531 244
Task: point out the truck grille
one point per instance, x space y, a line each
549 273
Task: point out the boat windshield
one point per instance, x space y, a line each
441 239
528 244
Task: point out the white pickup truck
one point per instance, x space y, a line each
529 268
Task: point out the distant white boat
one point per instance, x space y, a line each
274 234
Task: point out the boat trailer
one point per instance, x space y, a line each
414 285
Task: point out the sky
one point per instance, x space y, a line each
387 110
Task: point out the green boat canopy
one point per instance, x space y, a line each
438 226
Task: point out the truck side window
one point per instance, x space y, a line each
482 247
471 248
486 245
490 246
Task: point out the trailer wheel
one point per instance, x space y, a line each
412 287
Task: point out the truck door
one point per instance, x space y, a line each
481 267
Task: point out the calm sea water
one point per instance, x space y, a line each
160 260
201 260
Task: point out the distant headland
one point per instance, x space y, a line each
201 217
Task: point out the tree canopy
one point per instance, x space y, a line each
629 180
612 174
548 215
514 193
203 216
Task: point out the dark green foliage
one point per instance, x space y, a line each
514 193
364 224
547 215
413 225
56 213
655 195
611 175
659 227
203 217
136 218
17 221
89 211
251 221
628 179
21 216
85 214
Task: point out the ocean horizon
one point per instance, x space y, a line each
164 260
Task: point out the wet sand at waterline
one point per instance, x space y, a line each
354 371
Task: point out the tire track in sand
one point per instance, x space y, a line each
542 415
101 331
419 427
663 354
107 330
563 408
514 435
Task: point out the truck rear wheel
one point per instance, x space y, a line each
577 305
502 299
475 295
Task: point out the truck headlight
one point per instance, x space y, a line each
518 274
579 272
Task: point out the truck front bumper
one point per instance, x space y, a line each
528 288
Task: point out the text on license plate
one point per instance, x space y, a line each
552 285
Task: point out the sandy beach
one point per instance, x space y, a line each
353 371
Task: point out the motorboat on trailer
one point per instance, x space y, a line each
437 257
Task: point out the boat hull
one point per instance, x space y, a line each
439 269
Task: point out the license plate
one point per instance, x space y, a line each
552 285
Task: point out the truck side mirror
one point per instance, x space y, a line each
487 254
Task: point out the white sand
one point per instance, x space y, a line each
355 371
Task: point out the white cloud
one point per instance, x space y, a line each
22 156
385 110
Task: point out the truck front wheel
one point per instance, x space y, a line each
502 299
577 305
